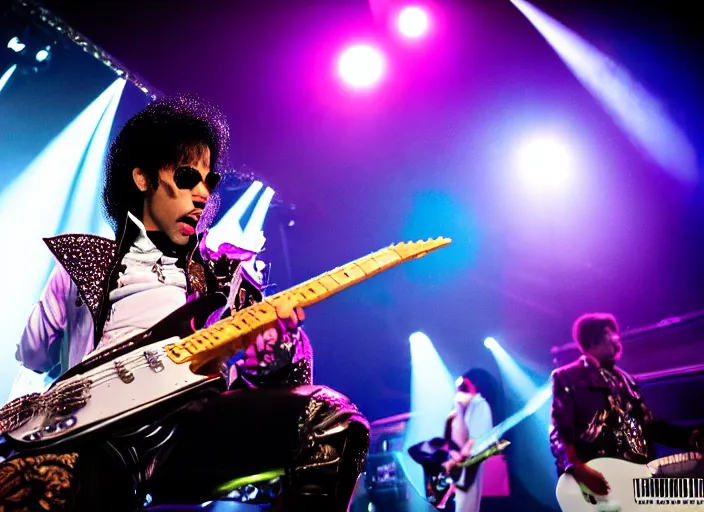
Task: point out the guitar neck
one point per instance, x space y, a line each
229 336
492 450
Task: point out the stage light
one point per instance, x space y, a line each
535 400
491 343
523 385
361 66
640 114
42 54
432 389
245 233
418 337
16 45
63 179
413 22
32 53
6 76
514 375
544 163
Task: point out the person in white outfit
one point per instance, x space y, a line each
470 419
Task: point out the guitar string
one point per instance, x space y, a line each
98 376
111 372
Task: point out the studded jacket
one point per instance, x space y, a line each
332 435
68 319
601 413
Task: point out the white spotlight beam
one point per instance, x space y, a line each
639 114
253 236
46 181
515 376
538 399
229 229
83 204
432 390
6 76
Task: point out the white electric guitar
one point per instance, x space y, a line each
154 371
655 487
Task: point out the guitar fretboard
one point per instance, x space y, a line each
229 336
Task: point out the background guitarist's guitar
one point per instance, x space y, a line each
165 365
474 461
634 488
439 487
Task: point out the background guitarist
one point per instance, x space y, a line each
160 174
470 419
597 410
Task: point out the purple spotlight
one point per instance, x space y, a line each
413 22
361 66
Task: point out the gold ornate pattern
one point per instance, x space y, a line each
42 482
196 278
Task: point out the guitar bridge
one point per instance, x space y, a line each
153 361
125 375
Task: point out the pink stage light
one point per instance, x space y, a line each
413 22
361 66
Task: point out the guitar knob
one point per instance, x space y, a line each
66 423
33 436
48 429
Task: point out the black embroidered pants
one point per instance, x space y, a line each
314 434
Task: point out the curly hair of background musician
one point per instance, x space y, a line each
170 130
587 329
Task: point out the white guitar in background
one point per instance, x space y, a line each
655 487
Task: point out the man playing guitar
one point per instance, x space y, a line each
597 409
160 174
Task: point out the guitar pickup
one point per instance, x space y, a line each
125 375
153 361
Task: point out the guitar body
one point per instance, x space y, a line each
432 454
469 472
117 383
633 489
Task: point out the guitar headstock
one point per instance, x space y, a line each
418 249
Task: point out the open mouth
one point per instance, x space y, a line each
191 221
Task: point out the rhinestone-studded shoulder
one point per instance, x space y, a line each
88 259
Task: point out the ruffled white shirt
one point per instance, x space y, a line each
149 288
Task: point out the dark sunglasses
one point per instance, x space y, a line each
188 178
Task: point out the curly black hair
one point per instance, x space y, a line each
169 131
588 328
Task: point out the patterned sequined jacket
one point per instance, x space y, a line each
333 436
71 312
586 415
